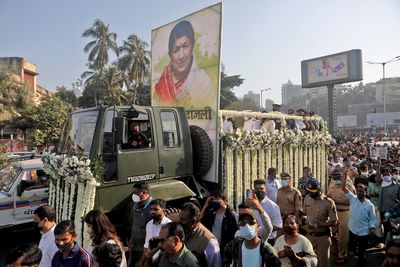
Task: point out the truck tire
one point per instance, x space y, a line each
172 214
202 151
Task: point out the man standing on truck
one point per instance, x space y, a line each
141 216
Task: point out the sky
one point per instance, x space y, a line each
264 41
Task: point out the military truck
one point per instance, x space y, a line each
156 144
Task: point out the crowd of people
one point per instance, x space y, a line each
278 223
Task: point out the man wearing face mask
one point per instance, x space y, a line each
141 216
44 217
272 183
320 215
69 253
363 178
340 231
270 207
249 250
158 220
219 218
289 199
389 194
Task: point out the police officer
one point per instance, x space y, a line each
320 215
289 199
341 230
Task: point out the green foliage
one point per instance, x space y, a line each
44 122
13 97
244 104
67 95
227 96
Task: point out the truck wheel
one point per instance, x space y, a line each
202 151
172 214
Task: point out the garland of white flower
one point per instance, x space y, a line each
247 168
72 172
301 162
239 177
229 181
262 163
268 158
254 168
280 159
296 166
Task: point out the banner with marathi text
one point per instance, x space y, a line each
185 72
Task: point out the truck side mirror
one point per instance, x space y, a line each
120 127
20 189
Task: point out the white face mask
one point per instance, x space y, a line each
285 183
396 177
366 174
248 232
387 178
135 198
338 182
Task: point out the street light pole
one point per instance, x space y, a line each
261 103
384 84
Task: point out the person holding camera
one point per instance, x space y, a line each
219 218
293 248
174 252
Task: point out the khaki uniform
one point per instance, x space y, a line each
289 200
320 210
341 230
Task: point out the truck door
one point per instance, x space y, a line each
174 155
138 159
31 192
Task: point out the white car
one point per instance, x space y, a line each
23 188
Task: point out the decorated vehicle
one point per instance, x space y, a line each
23 188
104 150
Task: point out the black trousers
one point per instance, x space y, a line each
360 242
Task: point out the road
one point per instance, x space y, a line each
10 240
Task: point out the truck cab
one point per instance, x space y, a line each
23 188
134 144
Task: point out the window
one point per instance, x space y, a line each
139 132
170 129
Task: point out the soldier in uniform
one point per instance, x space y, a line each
320 215
341 230
289 199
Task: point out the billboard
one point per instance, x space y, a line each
185 71
332 69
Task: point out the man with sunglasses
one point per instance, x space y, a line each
174 252
248 249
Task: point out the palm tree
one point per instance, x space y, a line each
134 62
112 82
104 40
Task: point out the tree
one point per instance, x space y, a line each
112 82
13 96
134 62
44 122
67 95
98 49
93 95
244 104
227 96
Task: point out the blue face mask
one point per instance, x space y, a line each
247 231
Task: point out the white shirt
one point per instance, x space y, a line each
228 127
153 230
251 257
302 245
213 254
48 247
272 188
274 213
249 125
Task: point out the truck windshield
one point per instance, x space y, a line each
77 136
7 176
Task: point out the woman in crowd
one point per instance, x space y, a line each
293 248
102 231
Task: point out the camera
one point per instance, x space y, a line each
153 243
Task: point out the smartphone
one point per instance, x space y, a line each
249 193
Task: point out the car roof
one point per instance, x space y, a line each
31 164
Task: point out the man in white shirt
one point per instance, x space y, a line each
270 207
273 184
158 219
44 217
